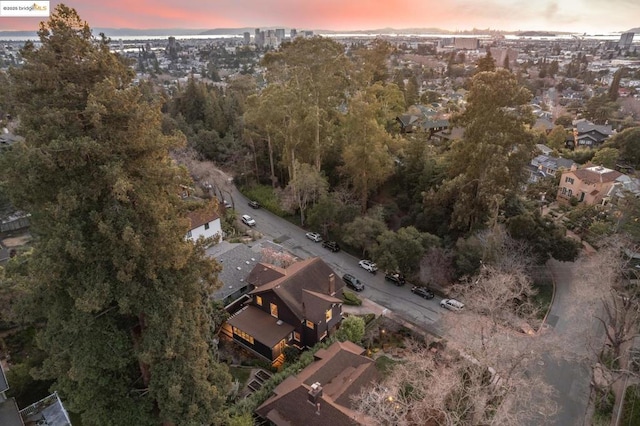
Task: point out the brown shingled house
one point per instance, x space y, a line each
589 185
321 394
297 306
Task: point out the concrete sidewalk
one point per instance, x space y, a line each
370 307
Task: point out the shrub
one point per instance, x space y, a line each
267 198
351 299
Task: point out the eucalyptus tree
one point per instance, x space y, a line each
487 164
123 297
316 71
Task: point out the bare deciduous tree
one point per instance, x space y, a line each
436 267
277 258
447 388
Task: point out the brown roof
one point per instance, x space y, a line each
264 273
341 371
260 325
589 176
299 285
203 215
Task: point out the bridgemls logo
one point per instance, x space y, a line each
24 8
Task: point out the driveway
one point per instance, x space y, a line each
573 335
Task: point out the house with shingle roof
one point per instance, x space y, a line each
589 135
589 185
321 393
297 306
546 165
204 223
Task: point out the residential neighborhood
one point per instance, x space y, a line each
283 226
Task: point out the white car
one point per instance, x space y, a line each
452 304
248 220
368 265
313 236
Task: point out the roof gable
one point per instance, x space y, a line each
342 372
203 215
312 276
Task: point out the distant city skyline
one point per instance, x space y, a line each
590 16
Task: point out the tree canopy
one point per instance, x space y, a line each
124 297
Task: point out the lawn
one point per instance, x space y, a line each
241 374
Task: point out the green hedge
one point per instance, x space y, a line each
351 299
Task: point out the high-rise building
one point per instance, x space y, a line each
247 38
280 34
626 39
293 33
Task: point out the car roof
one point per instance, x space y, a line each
246 216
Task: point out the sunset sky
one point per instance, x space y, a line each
591 16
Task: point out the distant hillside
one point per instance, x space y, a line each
634 30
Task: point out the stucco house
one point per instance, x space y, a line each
589 185
297 306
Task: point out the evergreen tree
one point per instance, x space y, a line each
487 165
124 297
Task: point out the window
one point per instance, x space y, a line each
570 193
243 335
259 300
328 315
296 336
569 180
206 226
564 191
189 234
310 324
274 310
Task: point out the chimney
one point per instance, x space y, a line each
332 284
315 393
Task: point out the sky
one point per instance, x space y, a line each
590 16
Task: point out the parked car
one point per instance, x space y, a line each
331 245
254 204
395 277
368 265
226 204
313 236
248 220
452 304
352 282
422 292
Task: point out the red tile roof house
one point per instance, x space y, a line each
297 306
204 222
589 185
320 395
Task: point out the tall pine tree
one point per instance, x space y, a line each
124 297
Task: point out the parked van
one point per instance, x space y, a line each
452 304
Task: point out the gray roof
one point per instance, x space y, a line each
237 261
4 386
48 411
585 127
553 163
9 414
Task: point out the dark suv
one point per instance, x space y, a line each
395 277
422 292
331 245
353 282
254 204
